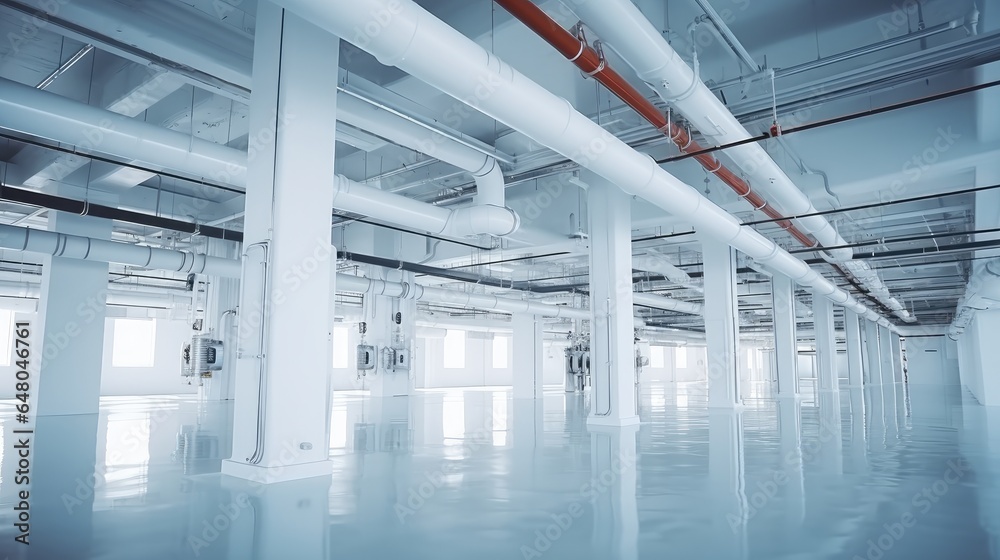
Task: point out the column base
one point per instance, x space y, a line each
271 475
613 421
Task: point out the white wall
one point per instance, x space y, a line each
163 378
931 360
670 373
979 354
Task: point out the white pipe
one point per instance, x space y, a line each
32 290
86 248
417 42
982 292
660 264
623 27
358 113
459 222
349 283
92 129
660 302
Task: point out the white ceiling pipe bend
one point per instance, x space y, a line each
484 169
669 304
92 129
626 30
427 48
981 293
86 248
358 198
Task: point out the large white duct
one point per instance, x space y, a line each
484 169
349 283
397 209
86 248
623 27
32 290
417 42
660 302
91 129
656 262
982 293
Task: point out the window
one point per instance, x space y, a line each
454 349
681 357
134 343
500 352
340 350
656 356
6 330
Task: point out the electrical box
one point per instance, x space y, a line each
366 357
402 360
388 358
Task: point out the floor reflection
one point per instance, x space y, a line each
881 472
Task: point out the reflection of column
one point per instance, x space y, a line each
980 441
790 428
728 485
852 333
721 324
63 479
831 445
616 514
612 328
858 428
285 520
527 438
785 349
875 417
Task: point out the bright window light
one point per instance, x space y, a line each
500 352
454 349
340 353
134 343
6 330
656 356
681 354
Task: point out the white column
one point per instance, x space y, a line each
874 372
721 323
852 332
385 334
222 297
69 334
826 345
897 357
885 354
283 374
612 335
528 354
785 349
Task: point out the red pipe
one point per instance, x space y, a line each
589 61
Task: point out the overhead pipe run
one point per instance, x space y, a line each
668 304
427 48
87 208
91 129
360 113
592 63
357 198
624 28
32 290
87 248
982 293
349 283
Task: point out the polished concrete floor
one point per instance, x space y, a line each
884 472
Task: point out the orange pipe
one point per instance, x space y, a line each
589 61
